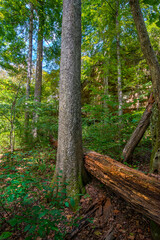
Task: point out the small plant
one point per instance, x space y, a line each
26 211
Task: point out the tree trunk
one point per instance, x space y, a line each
155 133
142 191
106 82
29 71
12 120
12 137
69 156
139 131
154 67
147 49
38 83
120 111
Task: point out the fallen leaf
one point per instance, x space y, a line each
122 230
97 233
116 211
131 237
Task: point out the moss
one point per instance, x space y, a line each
74 189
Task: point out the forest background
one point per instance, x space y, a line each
115 78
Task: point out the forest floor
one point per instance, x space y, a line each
102 214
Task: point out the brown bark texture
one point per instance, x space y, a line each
139 131
29 71
69 154
147 49
119 86
154 67
38 80
140 190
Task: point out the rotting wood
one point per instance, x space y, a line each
140 190
139 131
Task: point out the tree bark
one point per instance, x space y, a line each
29 71
106 82
38 82
12 120
154 67
120 111
139 131
69 156
147 49
155 133
142 191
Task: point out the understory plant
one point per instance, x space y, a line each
25 209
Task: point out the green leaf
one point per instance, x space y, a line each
55 228
27 227
5 235
158 24
13 222
42 214
150 2
66 204
72 202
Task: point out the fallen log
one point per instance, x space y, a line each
139 131
141 190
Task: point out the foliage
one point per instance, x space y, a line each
12 112
106 132
24 195
26 176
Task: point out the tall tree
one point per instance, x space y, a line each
154 67
69 157
38 82
118 61
29 70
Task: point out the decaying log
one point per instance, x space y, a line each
139 131
141 190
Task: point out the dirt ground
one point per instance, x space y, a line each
113 217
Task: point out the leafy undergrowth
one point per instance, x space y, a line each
28 210
29 207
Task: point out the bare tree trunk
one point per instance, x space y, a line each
120 111
139 131
147 49
13 116
29 71
155 133
38 82
69 156
105 90
154 67
12 136
106 83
